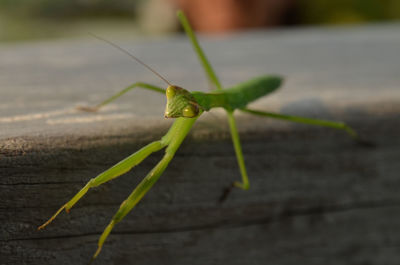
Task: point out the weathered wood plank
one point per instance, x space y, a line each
316 196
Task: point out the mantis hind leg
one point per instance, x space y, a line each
324 123
113 172
120 93
317 122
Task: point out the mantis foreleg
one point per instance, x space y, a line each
323 123
113 172
138 193
174 138
120 93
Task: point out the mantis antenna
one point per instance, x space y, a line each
132 56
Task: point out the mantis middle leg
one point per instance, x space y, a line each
120 93
232 124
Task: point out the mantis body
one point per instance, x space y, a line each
186 107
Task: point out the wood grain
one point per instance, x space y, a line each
316 196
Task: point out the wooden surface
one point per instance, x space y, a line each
316 197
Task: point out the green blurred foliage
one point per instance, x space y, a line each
68 8
346 11
32 19
35 19
307 11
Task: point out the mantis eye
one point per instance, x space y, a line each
170 92
189 112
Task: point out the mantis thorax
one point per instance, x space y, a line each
180 103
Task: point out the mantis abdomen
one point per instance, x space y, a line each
238 96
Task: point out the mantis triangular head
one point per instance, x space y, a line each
180 103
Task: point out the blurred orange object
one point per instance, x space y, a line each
230 15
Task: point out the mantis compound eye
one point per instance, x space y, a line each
189 112
170 92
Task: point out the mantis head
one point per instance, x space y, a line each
180 103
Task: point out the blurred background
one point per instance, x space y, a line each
37 19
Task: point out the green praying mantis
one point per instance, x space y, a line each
187 107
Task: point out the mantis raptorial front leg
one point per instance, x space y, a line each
137 194
113 172
173 139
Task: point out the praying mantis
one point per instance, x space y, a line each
187 107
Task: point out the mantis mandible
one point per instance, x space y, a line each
186 107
